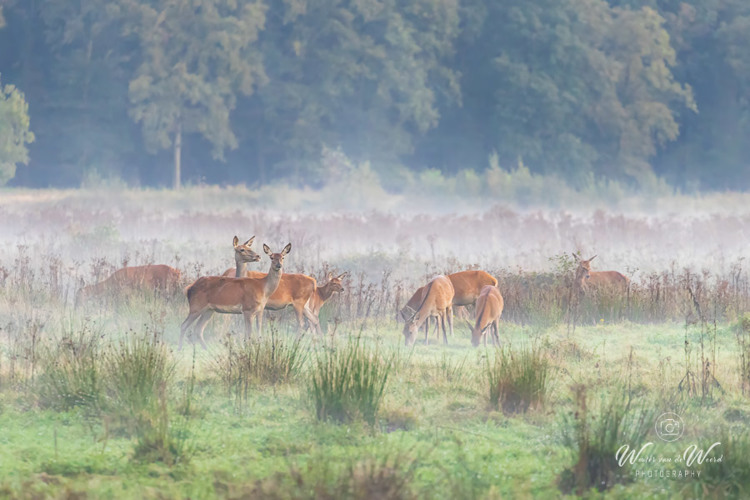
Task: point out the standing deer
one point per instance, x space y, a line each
325 292
586 279
438 301
156 277
243 255
246 296
296 290
489 309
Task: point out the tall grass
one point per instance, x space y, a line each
596 434
136 369
382 476
742 336
71 372
271 360
518 379
726 471
348 381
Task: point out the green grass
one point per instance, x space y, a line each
106 414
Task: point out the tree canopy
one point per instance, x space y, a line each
154 91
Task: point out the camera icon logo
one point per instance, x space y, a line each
669 427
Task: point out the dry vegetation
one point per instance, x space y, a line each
354 414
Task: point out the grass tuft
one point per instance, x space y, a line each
518 380
596 436
348 382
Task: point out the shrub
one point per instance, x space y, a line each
348 382
517 379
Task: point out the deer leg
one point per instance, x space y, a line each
496 332
442 323
201 326
248 316
260 323
426 330
186 324
312 319
450 319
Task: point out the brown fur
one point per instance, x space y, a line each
489 309
294 290
152 277
587 280
437 301
468 285
247 296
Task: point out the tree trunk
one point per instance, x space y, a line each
177 153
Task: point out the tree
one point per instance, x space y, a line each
196 57
14 131
367 76
87 105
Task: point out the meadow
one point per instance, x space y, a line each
96 401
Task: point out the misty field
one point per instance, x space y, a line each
96 401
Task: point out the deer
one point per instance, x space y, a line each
411 306
586 279
296 290
489 309
156 277
437 301
467 286
243 255
324 293
246 296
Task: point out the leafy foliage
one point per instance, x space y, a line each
587 90
14 131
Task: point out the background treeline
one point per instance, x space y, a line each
254 91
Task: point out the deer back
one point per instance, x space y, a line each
468 285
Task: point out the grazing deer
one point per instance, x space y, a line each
156 277
467 286
489 309
586 279
437 301
246 296
411 306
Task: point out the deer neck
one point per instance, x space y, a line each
324 292
272 280
240 268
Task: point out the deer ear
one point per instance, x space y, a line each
235 241
575 257
287 249
330 276
266 249
592 258
343 275
249 242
